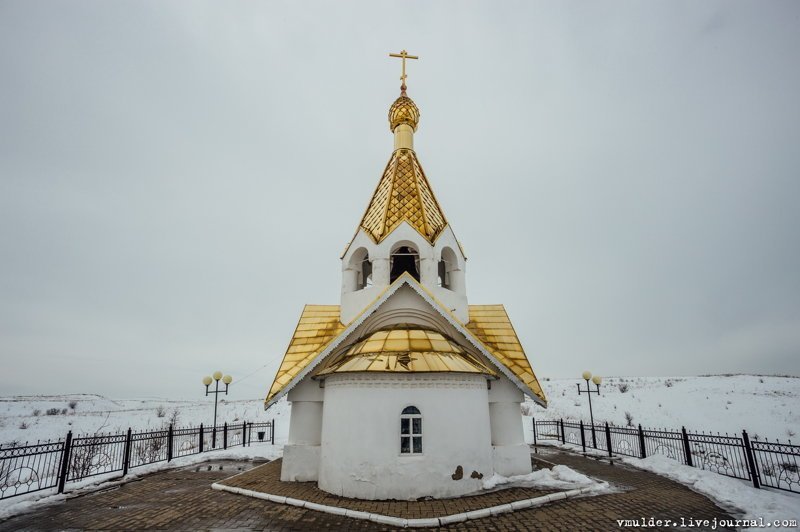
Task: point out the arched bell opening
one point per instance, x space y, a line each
404 259
448 263
362 265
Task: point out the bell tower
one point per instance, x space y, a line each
403 229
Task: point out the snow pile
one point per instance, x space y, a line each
560 477
729 493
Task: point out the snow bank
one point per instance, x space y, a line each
730 493
560 477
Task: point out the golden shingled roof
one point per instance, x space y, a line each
405 349
319 325
491 325
403 194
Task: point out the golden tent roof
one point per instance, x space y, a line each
403 194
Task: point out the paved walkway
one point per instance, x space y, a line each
182 499
267 479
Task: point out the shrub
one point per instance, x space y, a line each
629 419
23 425
174 417
668 383
623 387
73 404
161 411
53 411
63 411
37 412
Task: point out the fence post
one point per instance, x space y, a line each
583 438
225 435
201 438
751 463
686 449
169 443
244 432
608 439
272 432
533 420
643 453
563 437
65 462
126 455
250 435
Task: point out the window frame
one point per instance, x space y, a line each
411 435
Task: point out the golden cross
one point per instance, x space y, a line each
404 55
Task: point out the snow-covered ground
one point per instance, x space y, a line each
740 498
767 407
41 417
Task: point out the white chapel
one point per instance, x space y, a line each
404 390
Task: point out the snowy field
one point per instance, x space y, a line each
42 417
767 407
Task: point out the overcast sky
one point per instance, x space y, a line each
177 179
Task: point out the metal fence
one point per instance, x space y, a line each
763 463
52 464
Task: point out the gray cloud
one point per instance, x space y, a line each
177 180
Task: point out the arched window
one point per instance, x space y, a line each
363 267
411 431
447 264
404 259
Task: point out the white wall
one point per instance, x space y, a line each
361 435
510 453
302 451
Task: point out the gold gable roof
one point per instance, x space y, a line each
403 194
319 325
491 325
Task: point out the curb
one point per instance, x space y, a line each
523 504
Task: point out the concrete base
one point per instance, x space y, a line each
300 463
509 460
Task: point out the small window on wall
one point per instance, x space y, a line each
411 431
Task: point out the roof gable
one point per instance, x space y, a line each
327 338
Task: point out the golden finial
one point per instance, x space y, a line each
404 55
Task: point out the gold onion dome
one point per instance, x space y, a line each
403 111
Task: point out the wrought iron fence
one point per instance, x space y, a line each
761 462
30 467
52 464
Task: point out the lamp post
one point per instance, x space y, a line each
227 379
596 380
